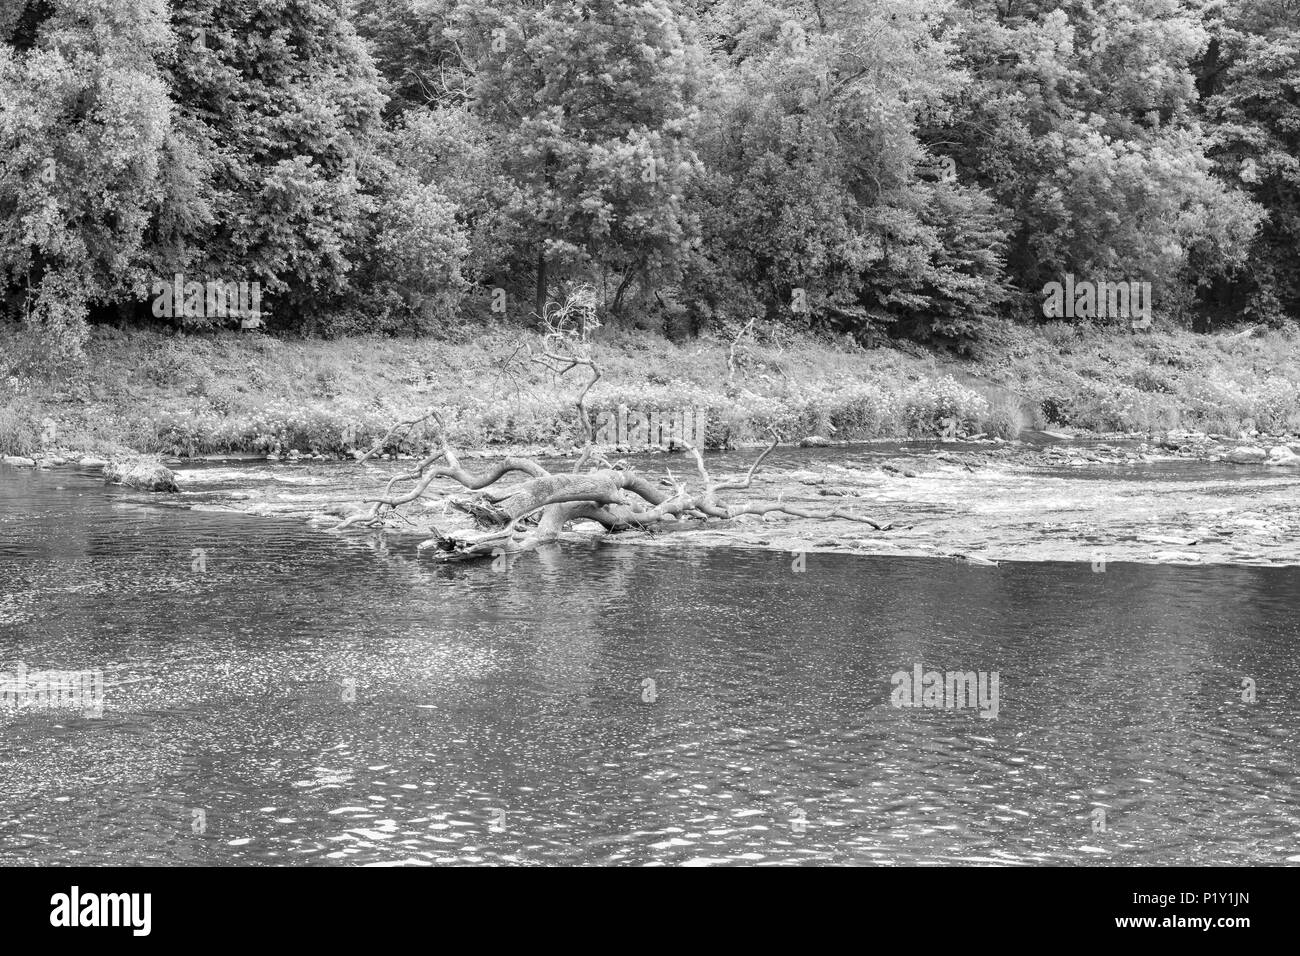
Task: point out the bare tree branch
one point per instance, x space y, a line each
539 508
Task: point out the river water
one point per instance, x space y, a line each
273 694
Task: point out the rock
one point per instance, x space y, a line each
1246 455
89 462
814 441
18 461
1281 455
143 475
890 469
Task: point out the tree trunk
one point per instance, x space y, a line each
617 308
539 303
534 511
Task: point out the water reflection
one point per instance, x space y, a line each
311 699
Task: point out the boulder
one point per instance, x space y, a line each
19 461
1246 455
89 462
142 475
814 441
1281 455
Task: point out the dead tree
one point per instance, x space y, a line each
536 506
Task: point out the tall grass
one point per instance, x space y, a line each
170 394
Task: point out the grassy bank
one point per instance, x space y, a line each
195 395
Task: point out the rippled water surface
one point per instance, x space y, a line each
506 715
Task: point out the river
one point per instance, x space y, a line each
274 694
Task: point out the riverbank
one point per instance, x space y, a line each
191 396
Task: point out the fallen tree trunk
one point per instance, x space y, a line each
513 518
539 507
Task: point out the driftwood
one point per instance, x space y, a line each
520 505
511 518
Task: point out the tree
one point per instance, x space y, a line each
819 203
539 508
419 66
1080 121
591 107
283 100
1251 79
85 124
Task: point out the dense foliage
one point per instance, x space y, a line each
873 167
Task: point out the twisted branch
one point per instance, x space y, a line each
540 507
